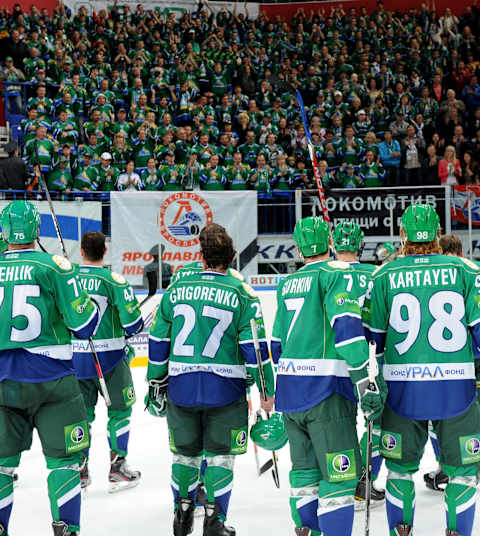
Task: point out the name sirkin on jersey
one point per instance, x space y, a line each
297 285
212 294
422 278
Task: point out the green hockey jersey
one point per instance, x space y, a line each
41 304
202 336
119 314
317 335
424 313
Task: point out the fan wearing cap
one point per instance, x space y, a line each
60 179
362 124
424 316
107 114
348 176
107 173
10 73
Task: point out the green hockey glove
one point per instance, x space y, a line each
371 400
130 352
156 398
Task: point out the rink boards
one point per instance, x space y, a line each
140 341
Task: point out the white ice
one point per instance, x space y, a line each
256 507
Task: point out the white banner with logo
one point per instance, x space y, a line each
74 218
144 221
178 7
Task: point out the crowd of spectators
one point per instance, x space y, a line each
155 100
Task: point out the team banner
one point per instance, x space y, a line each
376 210
74 218
145 222
460 204
163 7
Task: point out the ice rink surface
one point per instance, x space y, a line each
257 507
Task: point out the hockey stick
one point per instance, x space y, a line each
313 159
256 344
269 463
98 367
372 374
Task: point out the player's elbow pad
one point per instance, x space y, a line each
89 328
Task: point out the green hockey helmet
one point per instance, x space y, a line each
385 251
270 434
347 236
420 223
20 222
311 236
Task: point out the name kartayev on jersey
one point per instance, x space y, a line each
317 335
41 304
119 314
425 319
202 337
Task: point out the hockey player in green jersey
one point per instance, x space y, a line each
348 243
41 304
119 315
319 346
201 344
424 317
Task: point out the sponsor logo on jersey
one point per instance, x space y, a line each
473 446
391 445
62 262
389 442
470 449
341 463
181 217
77 434
118 278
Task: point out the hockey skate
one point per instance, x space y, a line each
213 525
183 520
403 530
85 479
121 477
436 480
450 532
377 496
302 531
60 528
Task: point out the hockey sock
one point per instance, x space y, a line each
64 490
400 496
460 498
7 468
118 430
185 473
335 507
376 456
90 419
434 441
202 470
219 481
304 498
